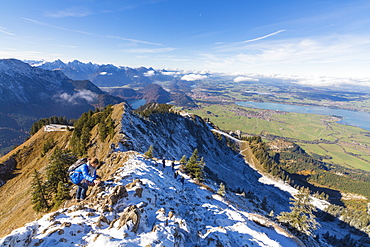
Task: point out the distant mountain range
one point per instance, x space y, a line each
120 81
105 75
28 93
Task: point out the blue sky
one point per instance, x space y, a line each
316 37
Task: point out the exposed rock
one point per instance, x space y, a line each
171 214
106 208
139 192
133 184
66 224
96 236
59 231
112 223
95 190
53 216
118 192
39 242
6 169
130 213
102 218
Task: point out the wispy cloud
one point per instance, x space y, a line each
131 40
56 27
236 45
147 50
264 37
76 11
66 46
3 30
91 34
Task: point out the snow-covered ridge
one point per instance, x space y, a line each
144 205
14 67
173 136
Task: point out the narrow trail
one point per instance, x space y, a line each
243 146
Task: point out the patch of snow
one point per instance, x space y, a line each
105 73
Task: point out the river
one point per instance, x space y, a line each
353 118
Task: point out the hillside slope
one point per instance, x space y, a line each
15 202
153 209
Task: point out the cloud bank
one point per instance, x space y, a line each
149 73
243 78
77 97
193 77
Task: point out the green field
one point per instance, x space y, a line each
317 134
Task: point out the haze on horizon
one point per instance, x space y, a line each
304 38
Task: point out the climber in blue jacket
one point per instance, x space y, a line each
89 177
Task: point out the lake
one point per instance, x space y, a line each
136 103
353 118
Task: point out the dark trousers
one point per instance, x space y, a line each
81 191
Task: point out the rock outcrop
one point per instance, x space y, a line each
6 170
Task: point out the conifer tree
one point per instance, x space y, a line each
103 131
110 127
149 154
56 171
222 190
183 160
49 144
84 140
195 167
194 157
301 217
62 193
38 193
272 214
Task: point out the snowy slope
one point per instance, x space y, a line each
168 213
173 136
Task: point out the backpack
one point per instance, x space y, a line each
77 164
76 177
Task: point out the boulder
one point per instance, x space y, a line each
130 213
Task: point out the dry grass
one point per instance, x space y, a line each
16 208
15 203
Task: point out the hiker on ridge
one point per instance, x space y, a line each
164 163
88 172
173 164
